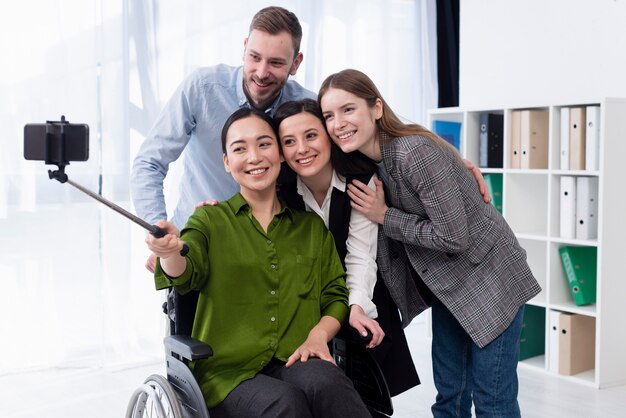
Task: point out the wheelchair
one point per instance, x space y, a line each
179 396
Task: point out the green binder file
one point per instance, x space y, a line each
533 336
494 185
580 265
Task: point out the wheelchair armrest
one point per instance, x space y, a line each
350 334
187 347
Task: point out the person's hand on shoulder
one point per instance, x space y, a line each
209 202
480 180
370 203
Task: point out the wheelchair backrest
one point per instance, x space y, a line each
181 310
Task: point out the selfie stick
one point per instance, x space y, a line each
153 229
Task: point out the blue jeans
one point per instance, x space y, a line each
464 372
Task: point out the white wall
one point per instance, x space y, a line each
533 52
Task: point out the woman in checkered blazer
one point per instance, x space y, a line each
439 245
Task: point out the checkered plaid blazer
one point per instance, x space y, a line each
462 248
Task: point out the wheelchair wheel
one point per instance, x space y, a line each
155 399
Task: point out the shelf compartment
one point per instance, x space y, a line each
526 202
560 294
537 258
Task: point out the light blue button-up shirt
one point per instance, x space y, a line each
192 121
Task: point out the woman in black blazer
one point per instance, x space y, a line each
307 151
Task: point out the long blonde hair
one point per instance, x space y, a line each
359 84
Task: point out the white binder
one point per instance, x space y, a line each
553 341
587 208
564 138
568 207
592 146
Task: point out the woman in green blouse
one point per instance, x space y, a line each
271 289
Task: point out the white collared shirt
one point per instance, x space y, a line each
361 245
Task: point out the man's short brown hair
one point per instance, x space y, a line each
274 20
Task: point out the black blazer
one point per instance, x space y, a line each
392 355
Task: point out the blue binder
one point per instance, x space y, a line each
450 131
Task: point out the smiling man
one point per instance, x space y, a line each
193 117
268 61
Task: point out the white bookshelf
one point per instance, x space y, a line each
531 199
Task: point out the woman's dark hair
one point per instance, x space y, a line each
295 107
357 165
243 113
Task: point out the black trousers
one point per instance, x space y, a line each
393 355
315 388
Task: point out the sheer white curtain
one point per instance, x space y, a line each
75 293
393 41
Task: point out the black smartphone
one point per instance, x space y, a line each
47 141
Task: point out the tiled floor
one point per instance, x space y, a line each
104 393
